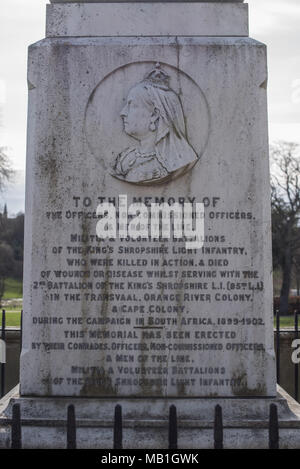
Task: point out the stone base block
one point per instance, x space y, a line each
149 19
145 422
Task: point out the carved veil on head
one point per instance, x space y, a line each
172 149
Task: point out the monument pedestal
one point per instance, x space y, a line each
145 422
127 317
147 278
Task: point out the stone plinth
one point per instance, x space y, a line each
145 1
147 317
150 19
145 422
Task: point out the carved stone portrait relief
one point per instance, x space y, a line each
164 129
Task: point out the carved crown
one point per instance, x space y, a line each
158 78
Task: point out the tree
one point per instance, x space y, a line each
6 172
12 235
285 199
296 269
6 251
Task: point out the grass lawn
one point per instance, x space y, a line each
13 319
13 289
287 321
12 302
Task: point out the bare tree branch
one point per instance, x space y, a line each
285 199
6 171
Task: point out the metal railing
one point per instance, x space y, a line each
173 431
295 331
71 428
2 368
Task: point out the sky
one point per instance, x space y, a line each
22 22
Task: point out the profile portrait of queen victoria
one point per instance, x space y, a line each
153 116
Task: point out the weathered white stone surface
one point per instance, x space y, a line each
212 333
141 1
145 422
148 19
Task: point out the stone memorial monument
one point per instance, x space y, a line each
147 276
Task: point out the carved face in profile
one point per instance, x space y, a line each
153 115
139 114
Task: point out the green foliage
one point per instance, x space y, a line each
11 249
